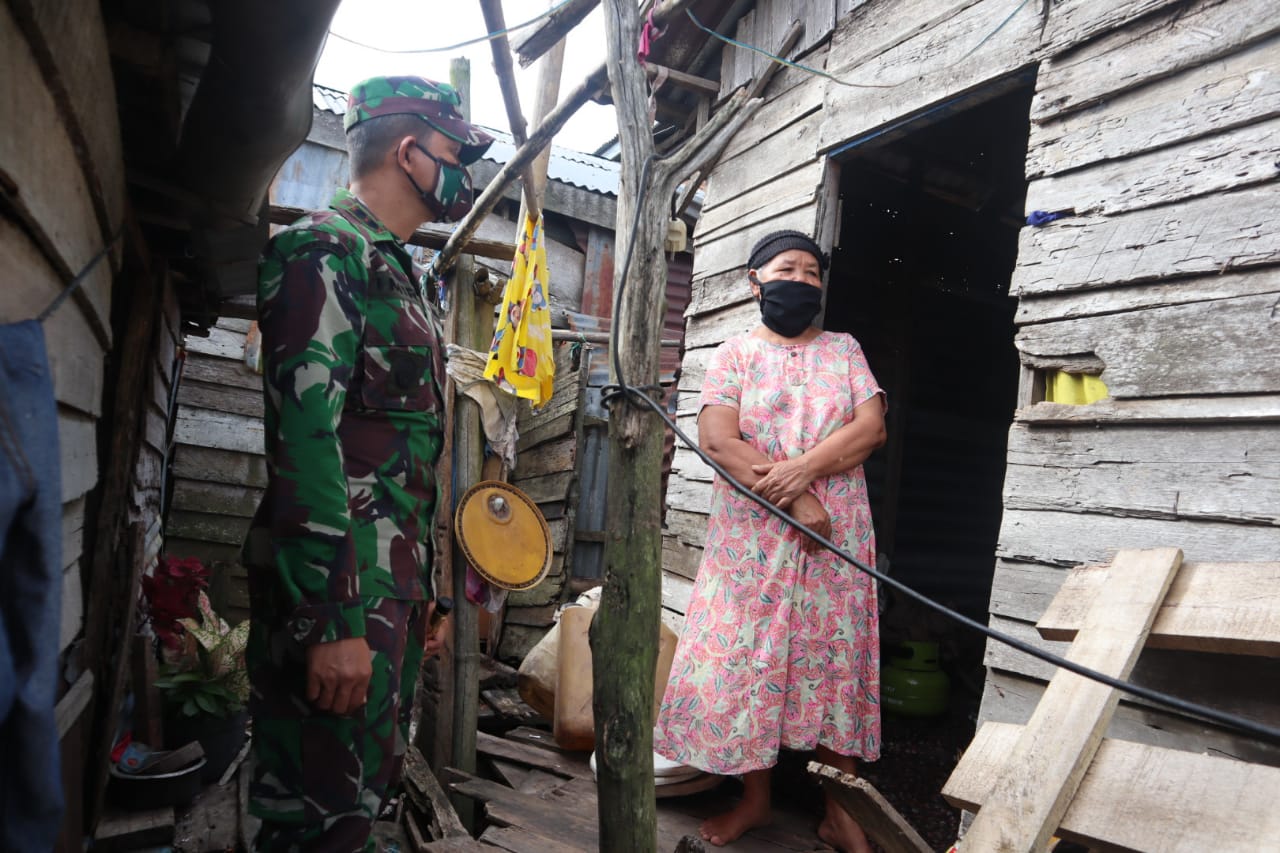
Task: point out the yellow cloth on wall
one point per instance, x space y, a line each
1073 388
520 358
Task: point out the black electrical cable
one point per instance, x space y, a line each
1255 729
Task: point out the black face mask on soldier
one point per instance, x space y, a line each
788 307
452 196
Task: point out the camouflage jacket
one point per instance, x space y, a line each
352 371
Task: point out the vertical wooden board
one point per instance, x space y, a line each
75 356
929 67
72 614
74 34
1154 47
78 446
1234 91
1216 233
38 158
1054 750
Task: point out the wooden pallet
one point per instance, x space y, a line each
1058 775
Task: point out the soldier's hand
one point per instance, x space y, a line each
338 675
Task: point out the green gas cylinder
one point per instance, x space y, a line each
911 684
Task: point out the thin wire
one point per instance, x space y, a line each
786 62
1258 730
74 284
468 43
970 52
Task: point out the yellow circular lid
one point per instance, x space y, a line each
503 535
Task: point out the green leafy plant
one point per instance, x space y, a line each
208 676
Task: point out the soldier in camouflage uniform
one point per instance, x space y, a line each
340 548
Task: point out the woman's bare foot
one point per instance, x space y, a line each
842 832
728 827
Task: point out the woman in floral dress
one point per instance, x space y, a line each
780 644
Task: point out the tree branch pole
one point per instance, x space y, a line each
624 633
540 139
497 23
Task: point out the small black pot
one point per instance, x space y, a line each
137 793
220 737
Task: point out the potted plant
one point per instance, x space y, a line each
203 677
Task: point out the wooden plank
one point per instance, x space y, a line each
689 527
1138 797
429 798
1223 161
718 256
221 466
929 67
1091 303
209 527
432 237
882 823
1149 49
221 398
1190 410
78 451
1240 89
72 606
38 161
74 352
121 831
1212 473
1049 760
1229 608
548 458
1217 233
710 293
716 328
552 487
219 430
676 592
217 498
221 343
1238 688
532 755
1228 346
507 807
73 703
221 371
524 841
766 200
679 558
1074 21
1072 538
1011 698
75 38
785 162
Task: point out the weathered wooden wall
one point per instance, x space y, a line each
1156 121
219 467
62 194
547 471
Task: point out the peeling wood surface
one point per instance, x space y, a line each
1213 234
1233 159
219 430
1181 36
1172 351
1240 89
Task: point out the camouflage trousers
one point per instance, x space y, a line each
319 779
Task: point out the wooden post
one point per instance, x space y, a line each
468 318
624 633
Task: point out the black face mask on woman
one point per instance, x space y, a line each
788 307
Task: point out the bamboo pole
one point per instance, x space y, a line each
497 23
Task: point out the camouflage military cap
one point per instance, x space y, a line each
435 103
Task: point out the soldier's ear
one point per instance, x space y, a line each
402 149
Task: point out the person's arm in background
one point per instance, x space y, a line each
311 305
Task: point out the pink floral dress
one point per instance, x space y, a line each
779 648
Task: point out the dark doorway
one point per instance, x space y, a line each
928 238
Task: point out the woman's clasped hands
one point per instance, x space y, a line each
786 485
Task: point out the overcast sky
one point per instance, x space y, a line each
415 24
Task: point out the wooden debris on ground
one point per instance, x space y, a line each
119 830
882 823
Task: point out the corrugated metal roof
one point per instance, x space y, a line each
567 166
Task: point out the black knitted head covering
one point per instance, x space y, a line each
772 245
